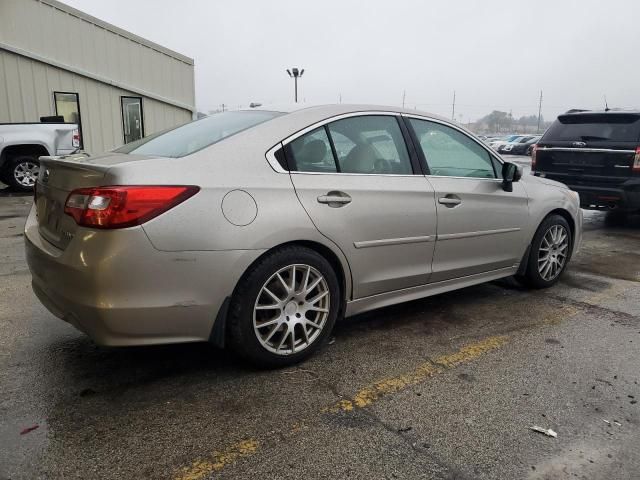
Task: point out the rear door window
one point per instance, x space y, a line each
312 153
371 144
607 127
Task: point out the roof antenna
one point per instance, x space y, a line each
606 106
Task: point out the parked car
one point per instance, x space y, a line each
597 154
259 229
519 147
497 143
21 144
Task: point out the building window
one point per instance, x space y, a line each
132 120
68 107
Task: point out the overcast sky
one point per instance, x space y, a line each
496 54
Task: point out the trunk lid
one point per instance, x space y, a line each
58 177
590 148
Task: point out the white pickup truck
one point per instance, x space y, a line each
22 144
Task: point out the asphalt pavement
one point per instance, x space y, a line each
441 388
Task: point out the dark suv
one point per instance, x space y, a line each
597 154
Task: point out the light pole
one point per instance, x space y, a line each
295 73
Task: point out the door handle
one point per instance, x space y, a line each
450 201
335 199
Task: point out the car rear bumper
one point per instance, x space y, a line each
624 196
118 289
607 198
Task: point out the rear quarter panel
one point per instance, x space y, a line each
237 164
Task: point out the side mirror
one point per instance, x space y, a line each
510 173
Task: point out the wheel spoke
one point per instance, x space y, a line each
269 322
315 283
272 333
306 334
271 294
318 309
314 325
545 270
284 337
284 284
293 279
306 279
543 266
318 297
268 307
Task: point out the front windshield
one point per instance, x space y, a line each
194 136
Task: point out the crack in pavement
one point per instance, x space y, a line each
218 460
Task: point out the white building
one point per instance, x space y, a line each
58 61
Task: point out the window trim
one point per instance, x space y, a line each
492 155
122 97
270 154
55 106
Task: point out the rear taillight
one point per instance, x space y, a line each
75 139
120 207
534 152
636 161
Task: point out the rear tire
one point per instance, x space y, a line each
284 307
21 172
549 254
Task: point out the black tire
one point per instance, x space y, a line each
532 277
9 175
242 337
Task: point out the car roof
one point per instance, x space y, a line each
333 109
301 116
604 112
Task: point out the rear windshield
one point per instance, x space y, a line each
197 135
597 127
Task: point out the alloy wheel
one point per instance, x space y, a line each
291 309
553 251
26 173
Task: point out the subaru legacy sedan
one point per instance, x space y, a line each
259 229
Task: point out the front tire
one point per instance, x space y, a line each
284 308
21 172
549 254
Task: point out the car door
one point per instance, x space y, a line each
481 227
355 178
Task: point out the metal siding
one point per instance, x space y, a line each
12 78
65 37
26 94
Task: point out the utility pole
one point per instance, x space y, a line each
539 112
453 107
404 95
295 73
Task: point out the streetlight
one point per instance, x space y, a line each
295 73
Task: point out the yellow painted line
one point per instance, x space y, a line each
373 392
203 468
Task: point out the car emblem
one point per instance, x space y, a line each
45 175
579 144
